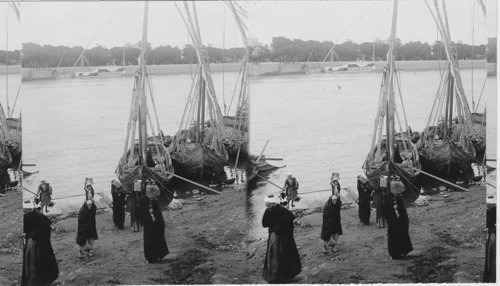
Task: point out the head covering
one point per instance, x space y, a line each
89 202
362 179
335 176
397 187
289 174
152 190
89 181
42 180
271 199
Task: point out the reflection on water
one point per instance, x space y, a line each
323 123
76 128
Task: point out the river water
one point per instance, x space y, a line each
321 123
76 128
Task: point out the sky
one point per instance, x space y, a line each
115 23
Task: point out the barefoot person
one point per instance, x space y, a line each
39 261
155 245
291 189
118 204
398 237
44 194
282 260
87 232
331 227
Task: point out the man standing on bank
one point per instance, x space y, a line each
44 194
364 199
155 245
282 261
87 231
291 189
39 261
118 204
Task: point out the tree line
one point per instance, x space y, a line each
12 57
280 50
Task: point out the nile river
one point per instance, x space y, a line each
321 123
76 128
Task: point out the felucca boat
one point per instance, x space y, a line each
446 145
144 157
392 153
198 148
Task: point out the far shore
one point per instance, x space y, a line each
235 67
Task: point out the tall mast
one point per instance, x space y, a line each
142 90
389 89
7 58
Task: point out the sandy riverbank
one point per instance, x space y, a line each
11 241
205 237
448 239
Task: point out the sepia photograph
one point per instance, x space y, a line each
248 142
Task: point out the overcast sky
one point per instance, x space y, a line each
116 23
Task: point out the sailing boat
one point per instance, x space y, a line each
14 130
237 125
393 153
144 158
446 147
197 148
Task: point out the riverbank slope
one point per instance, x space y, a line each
447 236
205 238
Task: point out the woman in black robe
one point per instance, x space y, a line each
118 204
398 237
155 245
331 227
39 261
364 198
282 260
87 232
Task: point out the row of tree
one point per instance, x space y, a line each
280 50
11 57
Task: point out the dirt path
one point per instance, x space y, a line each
11 242
205 238
447 236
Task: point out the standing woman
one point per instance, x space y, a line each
39 261
398 237
364 198
282 260
155 245
118 204
44 194
331 227
87 232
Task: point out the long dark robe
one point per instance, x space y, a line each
118 207
155 245
86 224
379 198
133 204
282 260
398 237
489 274
39 261
364 198
331 219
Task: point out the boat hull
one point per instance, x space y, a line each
446 159
199 162
129 174
409 176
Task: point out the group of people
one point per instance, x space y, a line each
282 261
39 262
